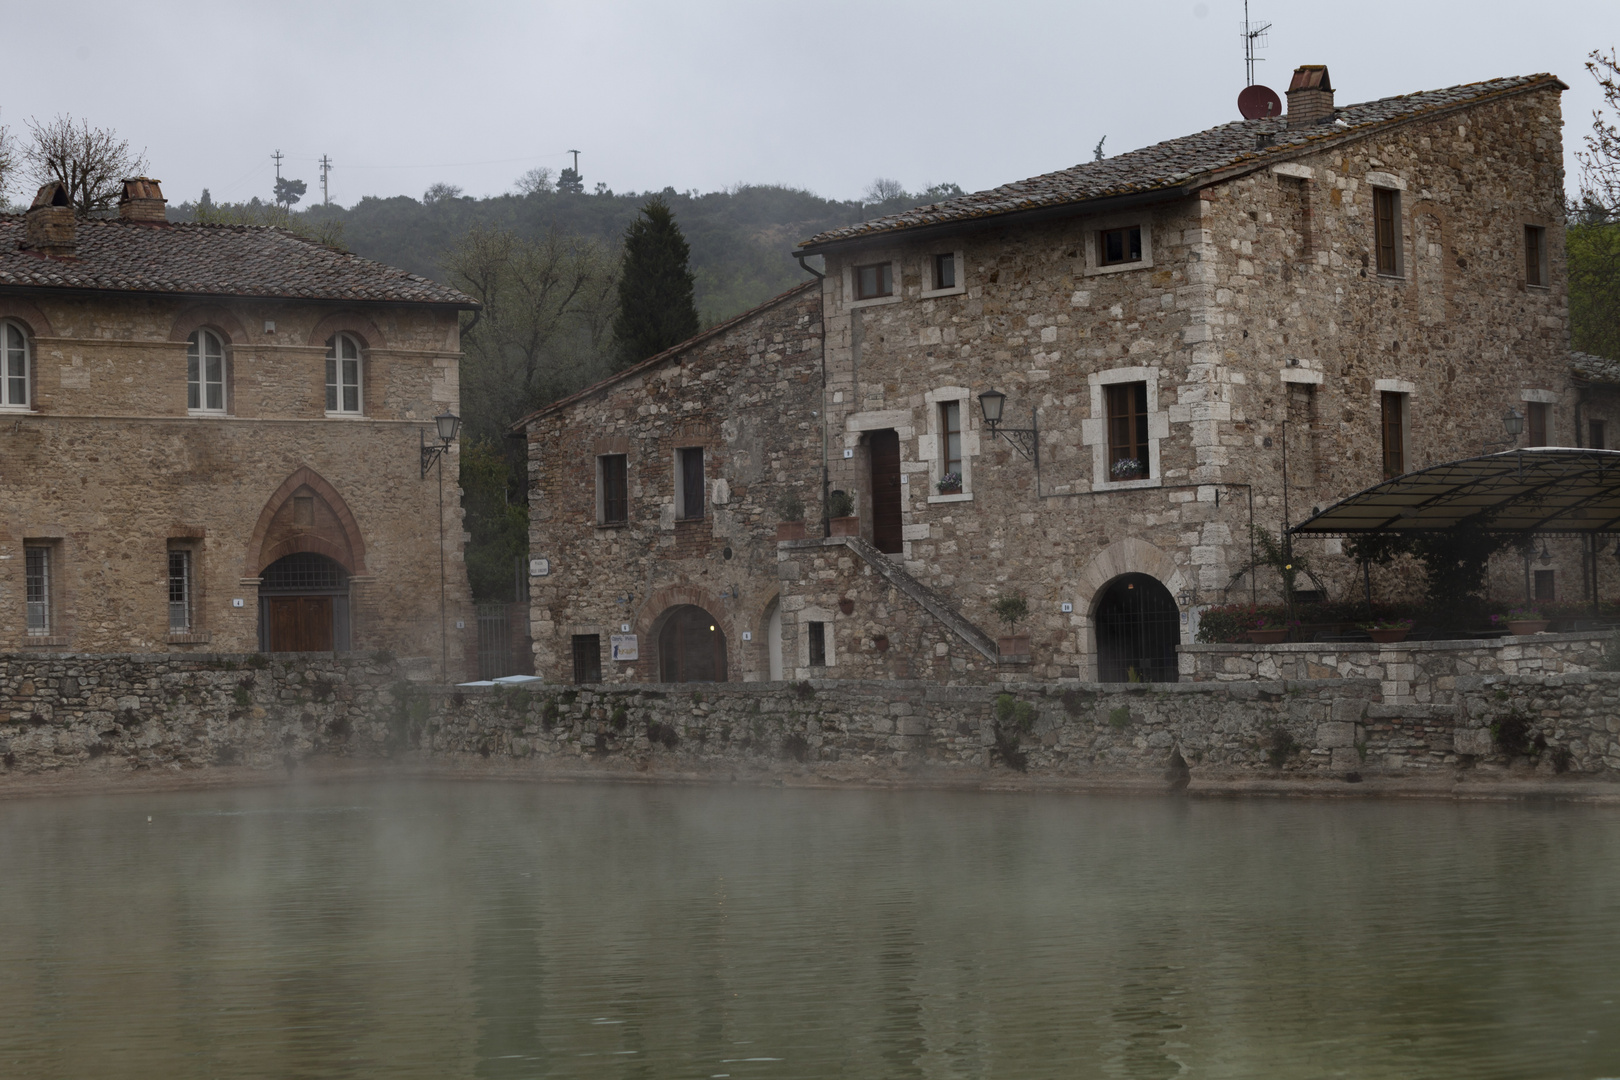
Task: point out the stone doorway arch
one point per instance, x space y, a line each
1131 555
1137 626
691 646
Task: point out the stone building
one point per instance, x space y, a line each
209 440
1215 333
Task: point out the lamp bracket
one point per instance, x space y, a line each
1027 441
431 452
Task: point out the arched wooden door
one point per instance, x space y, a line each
691 647
1138 629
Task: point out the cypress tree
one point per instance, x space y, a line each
655 286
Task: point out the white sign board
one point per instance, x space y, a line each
624 646
539 567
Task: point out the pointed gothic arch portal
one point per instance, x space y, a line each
1138 627
691 647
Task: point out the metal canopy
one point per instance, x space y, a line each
1544 491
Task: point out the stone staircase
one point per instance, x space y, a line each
931 601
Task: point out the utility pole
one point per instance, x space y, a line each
326 167
576 160
278 156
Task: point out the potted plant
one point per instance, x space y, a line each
1386 630
1267 630
790 512
1128 468
950 484
841 512
1012 610
1526 620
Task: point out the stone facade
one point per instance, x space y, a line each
108 468
1257 327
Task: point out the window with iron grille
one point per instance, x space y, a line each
1127 431
205 372
1535 255
689 483
818 644
950 430
874 280
37 586
1116 246
14 366
302 571
179 591
587 658
1536 423
343 374
613 479
1387 231
1393 406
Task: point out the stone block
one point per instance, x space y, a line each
1335 734
1345 759
1476 741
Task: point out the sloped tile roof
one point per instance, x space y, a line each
211 260
1183 163
1596 369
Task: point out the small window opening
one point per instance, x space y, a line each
945 271
1393 407
1545 588
614 477
37 586
1386 230
874 280
587 658
1596 439
818 644
689 476
950 430
1536 423
1115 246
179 592
1535 255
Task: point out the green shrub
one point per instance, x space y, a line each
1019 715
1011 609
1280 746
1120 717
840 504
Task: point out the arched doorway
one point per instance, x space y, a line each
1138 627
691 647
304 604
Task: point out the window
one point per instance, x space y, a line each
37 585
950 439
179 592
1115 246
1127 431
1545 589
1596 439
1535 255
1536 423
1394 425
818 644
1386 230
874 280
342 374
689 483
587 658
945 271
13 366
205 372
613 486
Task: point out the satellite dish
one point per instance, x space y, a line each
1259 103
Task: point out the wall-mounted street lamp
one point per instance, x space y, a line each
1513 424
448 425
1026 441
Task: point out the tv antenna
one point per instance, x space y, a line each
1254 37
326 168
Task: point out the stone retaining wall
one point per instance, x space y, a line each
123 714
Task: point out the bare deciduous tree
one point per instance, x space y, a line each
883 189
1600 163
535 180
90 163
8 160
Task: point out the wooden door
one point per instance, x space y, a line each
884 447
300 623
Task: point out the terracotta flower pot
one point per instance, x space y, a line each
1395 634
1527 626
846 526
1268 637
1013 645
789 530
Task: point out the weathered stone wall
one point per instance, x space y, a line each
174 712
748 395
108 468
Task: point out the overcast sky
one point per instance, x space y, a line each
822 95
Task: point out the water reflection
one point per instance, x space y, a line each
508 931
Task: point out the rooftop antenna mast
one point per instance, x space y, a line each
1254 37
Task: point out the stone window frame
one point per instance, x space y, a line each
1094 428
196 629
927 273
1093 263
225 387
1386 181
1407 389
602 521
361 365
1549 398
1544 235
57 629
848 279
29 376
931 449
805 617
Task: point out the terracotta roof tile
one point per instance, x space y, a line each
1182 162
211 260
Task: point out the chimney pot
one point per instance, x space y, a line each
48 227
1310 96
142 200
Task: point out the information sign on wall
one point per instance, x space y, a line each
624 646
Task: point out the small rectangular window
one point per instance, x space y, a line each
874 280
1127 431
179 592
1115 246
818 644
1596 440
37 586
689 477
1394 427
1536 423
613 475
945 271
1545 589
1535 255
1386 230
950 437
587 658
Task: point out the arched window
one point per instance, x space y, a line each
343 374
205 372
14 366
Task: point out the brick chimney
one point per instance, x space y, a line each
1310 96
142 200
48 227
